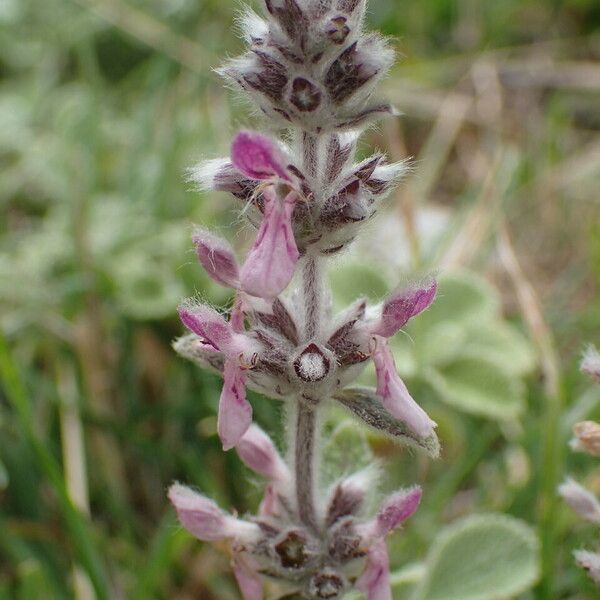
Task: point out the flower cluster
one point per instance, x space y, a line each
311 70
583 502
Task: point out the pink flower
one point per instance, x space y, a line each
235 412
204 519
374 582
217 257
394 394
258 452
258 157
402 306
271 262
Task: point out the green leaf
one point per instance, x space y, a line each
346 449
480 387
501 344
483 557
352 281
366 405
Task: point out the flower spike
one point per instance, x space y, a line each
311 71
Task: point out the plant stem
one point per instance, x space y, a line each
304 461
312 292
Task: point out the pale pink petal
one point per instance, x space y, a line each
217 257
258 156
396 509
257 450
271 262
374 583
394 394
235 412
402 306
249 583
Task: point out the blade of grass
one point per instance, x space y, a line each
162 554
16 395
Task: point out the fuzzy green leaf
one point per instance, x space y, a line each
365 404
480 387
483 557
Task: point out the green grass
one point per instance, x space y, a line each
103 106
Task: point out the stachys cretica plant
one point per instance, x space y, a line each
311 70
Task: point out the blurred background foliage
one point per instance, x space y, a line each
103 106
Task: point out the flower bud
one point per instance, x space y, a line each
204 519
583 502
402 306
587 437
258 452
217 257
207 323
326 584
590 364
312 364
210 325
396 509
590 561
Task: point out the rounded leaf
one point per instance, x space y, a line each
480 387
483 557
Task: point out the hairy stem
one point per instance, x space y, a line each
312 291
304 463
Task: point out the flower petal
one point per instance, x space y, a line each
271 262
394 394
374 583
402 306
258 156
235 412
217 257
258 452
250 585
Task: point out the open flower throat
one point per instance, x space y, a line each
311 70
